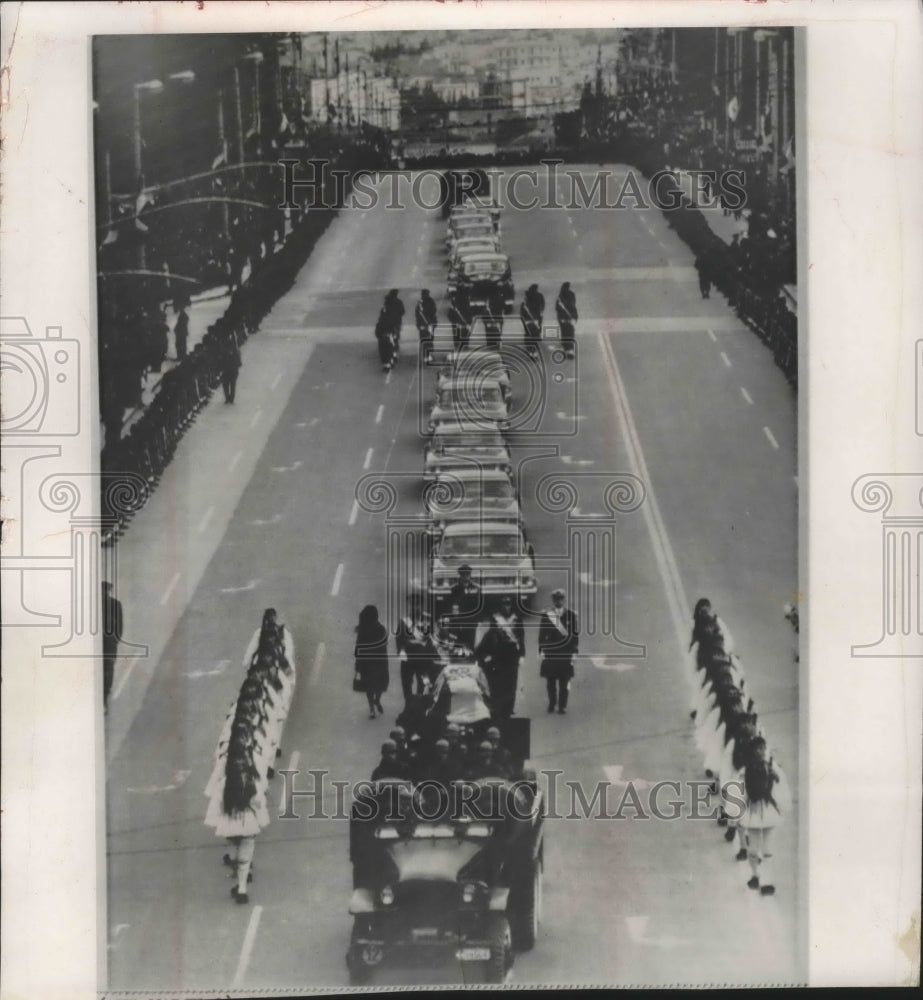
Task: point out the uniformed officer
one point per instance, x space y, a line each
558 638
416 648
532 312
467 606
565 308
425 316
500 651
460 318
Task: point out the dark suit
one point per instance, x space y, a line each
500 653
557 649
469 601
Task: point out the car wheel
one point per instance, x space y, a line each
501 955
361 959
526 913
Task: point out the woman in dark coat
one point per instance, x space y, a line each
372 658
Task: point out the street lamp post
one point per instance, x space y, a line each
150 87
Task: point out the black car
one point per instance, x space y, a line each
448 868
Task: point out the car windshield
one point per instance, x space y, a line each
488 267
480 545
485 440
491 489
472 396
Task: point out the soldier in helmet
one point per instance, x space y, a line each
502 756
390 765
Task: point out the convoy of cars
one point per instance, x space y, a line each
459 873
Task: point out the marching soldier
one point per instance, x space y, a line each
500 651
558 638
532 312
426 316
565 308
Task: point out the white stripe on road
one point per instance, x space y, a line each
337 580
256 418
726 360
368 459
275 381
247 948
169 590
770 438
354 513
677 600
388 377
123 680
711 333
206 517
746 395
235 460
381 410
318 664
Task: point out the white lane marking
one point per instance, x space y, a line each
219 668
288 468
770 438
235 460
116 933
337 580
261 522
123 680
247 948
206 517
726 360
318 664
381 410
561 415
711 333
179 779
637 931
166 594
570 460
600 663
613 773
663 551
256 418
368 459
275 381
388 377
313 421
251 585
354 513
746 395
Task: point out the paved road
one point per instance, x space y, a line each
258 509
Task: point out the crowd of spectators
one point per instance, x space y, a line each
256 263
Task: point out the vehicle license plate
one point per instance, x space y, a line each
473 954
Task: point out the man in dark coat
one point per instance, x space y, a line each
467 606
460 318
558 638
